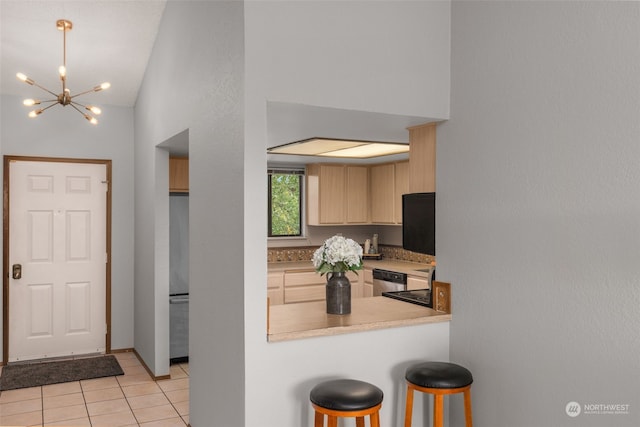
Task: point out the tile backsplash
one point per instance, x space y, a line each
396 252
298 253
304 253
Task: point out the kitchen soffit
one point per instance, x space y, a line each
340 148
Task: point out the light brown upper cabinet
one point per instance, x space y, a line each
382 191
389 181
402 187
422 158
337 194
179 174
357 194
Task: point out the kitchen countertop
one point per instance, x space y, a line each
384 264
309 319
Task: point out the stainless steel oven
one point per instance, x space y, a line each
388 281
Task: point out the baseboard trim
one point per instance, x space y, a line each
144 365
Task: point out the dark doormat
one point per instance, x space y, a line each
43 373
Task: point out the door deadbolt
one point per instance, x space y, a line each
17 271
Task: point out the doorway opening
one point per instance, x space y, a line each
176 237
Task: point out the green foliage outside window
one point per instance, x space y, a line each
285 197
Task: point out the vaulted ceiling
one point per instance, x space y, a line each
110 41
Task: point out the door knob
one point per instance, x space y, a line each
17 271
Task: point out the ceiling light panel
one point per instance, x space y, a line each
339 148
313 147
369 150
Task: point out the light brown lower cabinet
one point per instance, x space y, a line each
308 285
303 286
275 288
417 283
292 286
367 288
357 284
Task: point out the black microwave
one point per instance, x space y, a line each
419 222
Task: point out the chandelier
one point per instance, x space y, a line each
64 98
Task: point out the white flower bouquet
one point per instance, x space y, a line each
338 254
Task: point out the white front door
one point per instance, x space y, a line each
57 259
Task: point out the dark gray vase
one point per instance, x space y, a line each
338 293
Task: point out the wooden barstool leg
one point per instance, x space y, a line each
438 404
374 419
359 421
319 420
467 408
332 421
409 407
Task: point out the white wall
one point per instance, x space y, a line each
386 57
194 81
539 209
61 132
383 57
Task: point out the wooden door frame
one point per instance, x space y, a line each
5 244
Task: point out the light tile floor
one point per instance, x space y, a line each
132 399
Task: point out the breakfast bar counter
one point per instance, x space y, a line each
310 319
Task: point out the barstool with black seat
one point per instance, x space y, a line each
346 398
439 379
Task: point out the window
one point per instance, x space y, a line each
285 202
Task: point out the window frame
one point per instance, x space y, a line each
286 171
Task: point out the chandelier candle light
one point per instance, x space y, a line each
65 98
335 257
